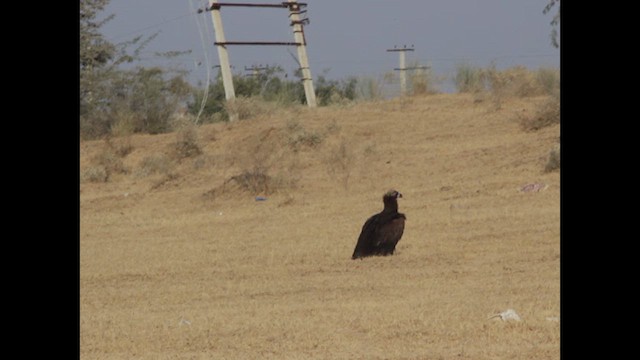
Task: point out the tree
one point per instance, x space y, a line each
95 51
142 99
555 22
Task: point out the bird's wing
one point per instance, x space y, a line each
367 235
390 231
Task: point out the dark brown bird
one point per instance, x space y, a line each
382 231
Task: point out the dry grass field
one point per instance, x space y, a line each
179 261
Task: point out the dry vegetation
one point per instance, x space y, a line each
179 261
547 114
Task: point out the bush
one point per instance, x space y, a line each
469 79
256 181
515 81
308 139
249 107
262 89
521 82
95 174
549 80
121 148
187 144
299 137
111 161
554 159
369 89
421 80
420 83
548 114
335 92
107 162
154 164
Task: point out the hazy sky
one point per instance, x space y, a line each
345 37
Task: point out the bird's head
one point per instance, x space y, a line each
392 194
390 200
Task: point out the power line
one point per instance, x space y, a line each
208 67
467 58
137 31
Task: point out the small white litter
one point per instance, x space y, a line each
184 321
509 314
535 187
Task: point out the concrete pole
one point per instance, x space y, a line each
298 35
403 74
223 56
402 67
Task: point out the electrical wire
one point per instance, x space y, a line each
140 30
205 95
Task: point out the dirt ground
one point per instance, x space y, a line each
180 260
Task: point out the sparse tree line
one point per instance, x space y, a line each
145 99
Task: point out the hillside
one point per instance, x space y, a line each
178 259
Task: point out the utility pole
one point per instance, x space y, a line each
298 36
298 33
402 67
223 55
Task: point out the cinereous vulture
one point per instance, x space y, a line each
382 231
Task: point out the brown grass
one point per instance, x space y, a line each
168 272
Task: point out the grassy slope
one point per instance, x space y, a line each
175 265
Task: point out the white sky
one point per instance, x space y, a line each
345 38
